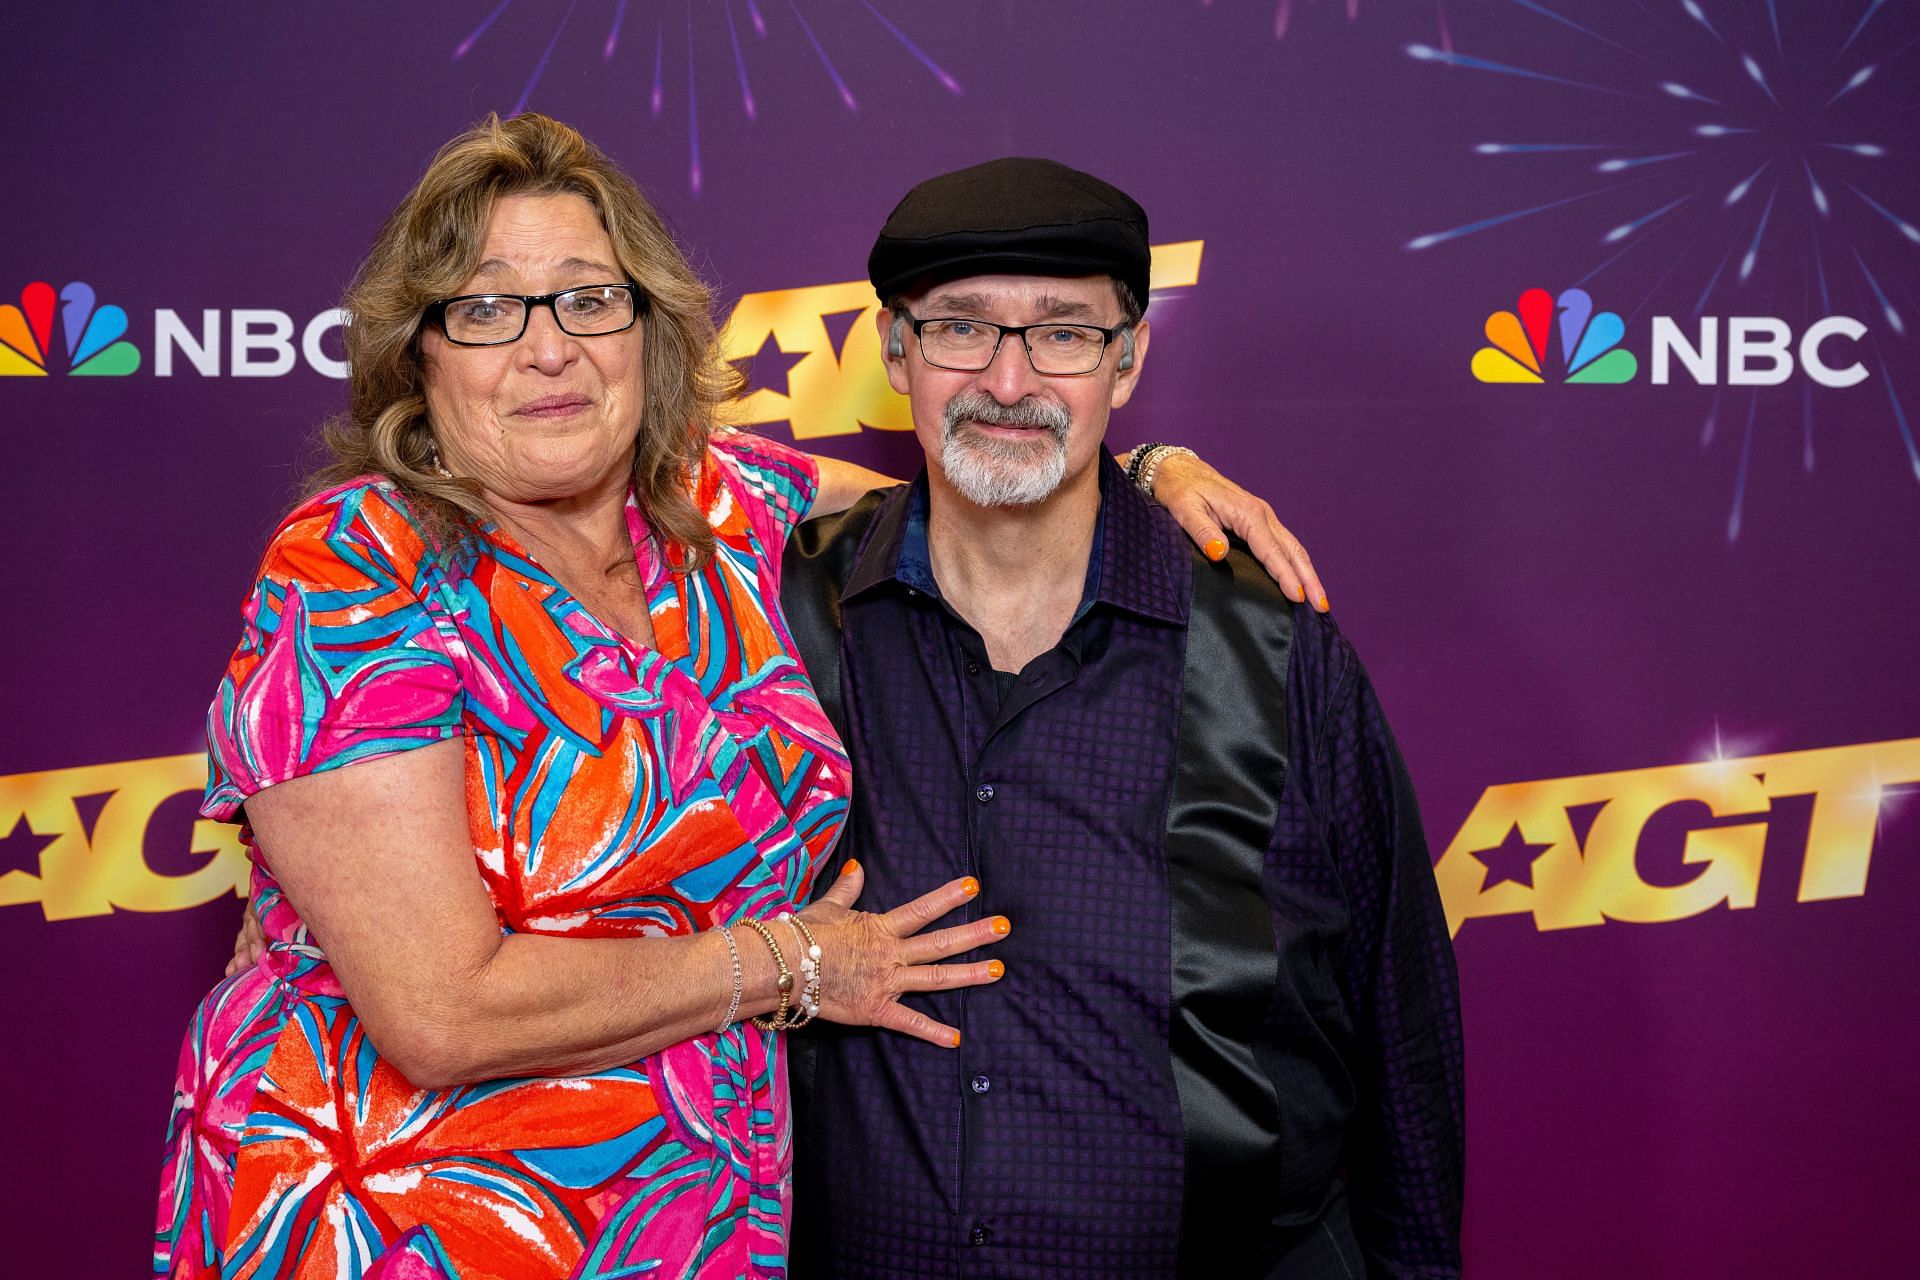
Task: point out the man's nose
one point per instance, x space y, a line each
1009 377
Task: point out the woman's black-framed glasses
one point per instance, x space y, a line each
968 346
491 319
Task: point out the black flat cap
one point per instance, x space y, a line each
1020 215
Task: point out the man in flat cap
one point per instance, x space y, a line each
1227 1040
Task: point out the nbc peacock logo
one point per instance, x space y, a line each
92 334
1589 341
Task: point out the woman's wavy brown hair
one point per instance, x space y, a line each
428 250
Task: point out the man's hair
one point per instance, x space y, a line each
428 250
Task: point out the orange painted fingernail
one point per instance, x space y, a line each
1001 924
956 1039
850 868
995 969
1323 602
970 886
1216 549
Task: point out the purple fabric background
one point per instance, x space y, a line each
1544 581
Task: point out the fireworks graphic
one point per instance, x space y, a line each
1283 16
1774 155
744 23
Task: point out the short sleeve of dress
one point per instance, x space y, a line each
776 483
340 658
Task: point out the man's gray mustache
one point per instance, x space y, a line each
1022 413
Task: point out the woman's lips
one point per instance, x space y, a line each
553 407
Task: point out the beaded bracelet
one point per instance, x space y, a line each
733 1009
809 1007
777 1020
1138 461
1152 468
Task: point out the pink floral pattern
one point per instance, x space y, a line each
611 791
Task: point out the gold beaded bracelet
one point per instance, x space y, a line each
777 1020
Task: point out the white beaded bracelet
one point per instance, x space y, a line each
1160 454
809 971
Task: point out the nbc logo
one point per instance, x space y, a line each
93 334
1759 351
1589 341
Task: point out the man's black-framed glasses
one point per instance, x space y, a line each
968 346
490 319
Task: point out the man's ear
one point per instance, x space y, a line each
893 347
1129 371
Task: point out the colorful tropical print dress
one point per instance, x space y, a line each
612 791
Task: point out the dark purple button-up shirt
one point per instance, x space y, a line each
1052 1142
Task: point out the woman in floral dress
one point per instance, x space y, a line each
525 756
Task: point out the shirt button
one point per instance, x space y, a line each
981 1084
985 792
979 1235
973 668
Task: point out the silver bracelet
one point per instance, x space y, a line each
733 1009
1159 455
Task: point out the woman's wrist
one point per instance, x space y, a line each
759 975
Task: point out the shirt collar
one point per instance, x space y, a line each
1137 563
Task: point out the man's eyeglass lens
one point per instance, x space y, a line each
491 318
968 346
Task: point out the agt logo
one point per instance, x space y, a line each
74 841
1575 852
256 342
1760 350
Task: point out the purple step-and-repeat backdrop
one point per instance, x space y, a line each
1573 336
